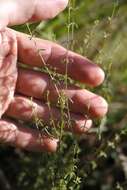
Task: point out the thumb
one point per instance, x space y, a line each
14 12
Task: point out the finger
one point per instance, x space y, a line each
42 53
48 9
39 85
14 12
29 139
30 110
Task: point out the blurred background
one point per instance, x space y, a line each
98 160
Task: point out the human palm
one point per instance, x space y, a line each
16 91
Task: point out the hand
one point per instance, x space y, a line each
83 105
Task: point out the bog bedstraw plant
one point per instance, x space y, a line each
62 168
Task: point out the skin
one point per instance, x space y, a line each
36 84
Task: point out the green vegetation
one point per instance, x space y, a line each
98 160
